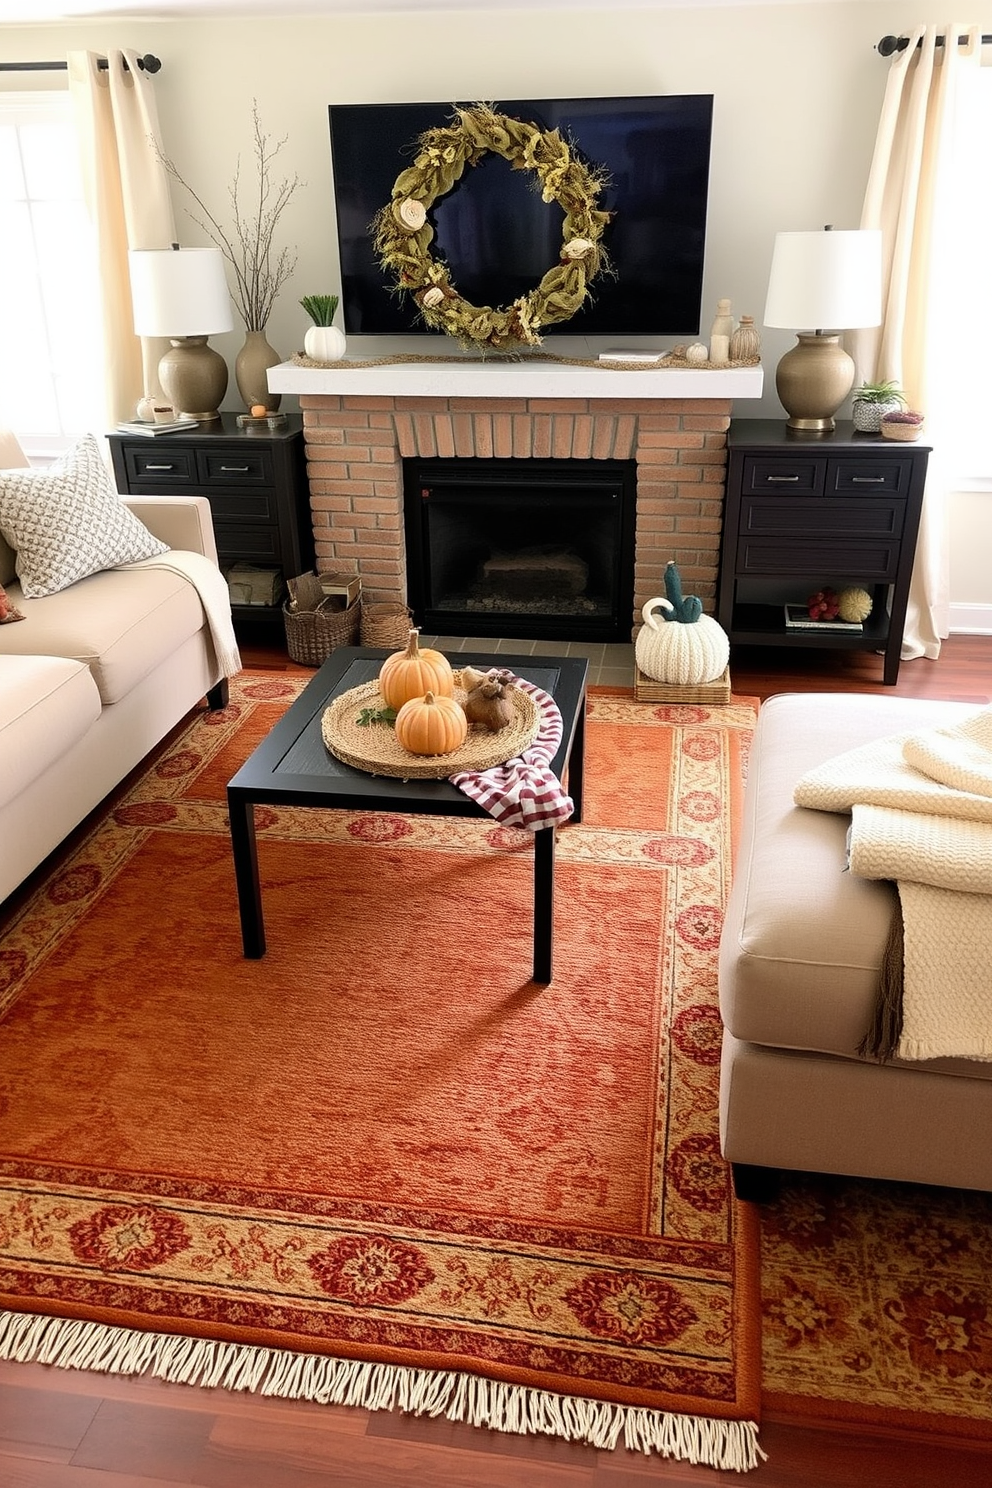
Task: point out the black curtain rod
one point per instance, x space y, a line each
147 64
890 44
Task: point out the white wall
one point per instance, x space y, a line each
797 93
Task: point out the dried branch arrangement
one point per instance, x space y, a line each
260 270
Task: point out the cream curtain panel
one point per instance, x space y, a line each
904 198
128 196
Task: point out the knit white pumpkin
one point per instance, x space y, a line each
685 650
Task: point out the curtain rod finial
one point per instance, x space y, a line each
890 44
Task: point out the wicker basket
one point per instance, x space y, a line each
906 432
386 624
707 694
311 635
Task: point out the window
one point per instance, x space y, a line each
51 348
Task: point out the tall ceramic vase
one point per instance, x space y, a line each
250 367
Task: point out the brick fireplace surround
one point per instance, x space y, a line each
359 424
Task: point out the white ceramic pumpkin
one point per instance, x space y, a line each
325 343
680 654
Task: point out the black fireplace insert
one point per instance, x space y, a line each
540 549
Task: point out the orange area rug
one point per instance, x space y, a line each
381 1166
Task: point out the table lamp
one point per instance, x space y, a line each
182 294
821 283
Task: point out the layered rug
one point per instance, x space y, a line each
381 1166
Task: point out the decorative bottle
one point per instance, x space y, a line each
745 343
721 332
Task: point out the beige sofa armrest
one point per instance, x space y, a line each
181 521
12 457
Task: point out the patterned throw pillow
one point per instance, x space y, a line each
68 521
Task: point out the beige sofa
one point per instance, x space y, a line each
93 678
799 970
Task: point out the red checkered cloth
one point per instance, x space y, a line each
525 791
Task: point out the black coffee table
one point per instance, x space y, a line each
293 767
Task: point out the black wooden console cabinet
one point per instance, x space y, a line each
808 511
255 481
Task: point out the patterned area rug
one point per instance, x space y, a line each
381 1166
878 1304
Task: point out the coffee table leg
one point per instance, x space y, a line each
241 814
576 763
544 903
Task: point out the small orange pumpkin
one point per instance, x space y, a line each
410 673
431 725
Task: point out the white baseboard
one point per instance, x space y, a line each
971 619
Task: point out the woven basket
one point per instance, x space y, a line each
386 624
375 749
906 432
708 694
311 635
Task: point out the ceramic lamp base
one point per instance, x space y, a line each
193 378
812 381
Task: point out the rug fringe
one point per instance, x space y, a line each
71 1343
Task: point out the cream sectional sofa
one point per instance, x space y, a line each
800 957
93 678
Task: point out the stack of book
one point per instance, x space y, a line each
797 617
151 430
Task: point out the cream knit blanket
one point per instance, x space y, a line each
211 585
921 814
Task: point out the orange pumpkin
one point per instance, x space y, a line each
410 673
431 725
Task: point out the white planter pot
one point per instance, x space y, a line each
324 343
867 417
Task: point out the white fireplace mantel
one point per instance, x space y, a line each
516 379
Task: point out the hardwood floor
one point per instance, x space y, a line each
70 1429
963 671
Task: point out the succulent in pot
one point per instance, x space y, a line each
871 401
323 341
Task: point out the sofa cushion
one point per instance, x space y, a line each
46 705
803 938
67 521
122 624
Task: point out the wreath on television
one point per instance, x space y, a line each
403 235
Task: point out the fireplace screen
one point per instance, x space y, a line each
521 548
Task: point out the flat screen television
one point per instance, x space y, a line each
499 238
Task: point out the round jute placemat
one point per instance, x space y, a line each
374 747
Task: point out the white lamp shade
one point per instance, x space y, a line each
825 280
179 292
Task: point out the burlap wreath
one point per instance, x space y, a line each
403 235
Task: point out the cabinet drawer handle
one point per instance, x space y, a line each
867 480
160 467
235 469
771 478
